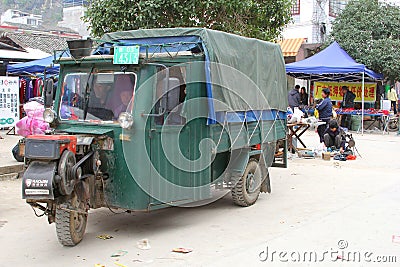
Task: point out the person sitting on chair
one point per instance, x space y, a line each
333 136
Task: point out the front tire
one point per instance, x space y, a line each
71 225
16 154
247 189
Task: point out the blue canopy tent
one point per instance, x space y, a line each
333 64
35 66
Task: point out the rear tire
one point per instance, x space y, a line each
247 189
393 125
71 225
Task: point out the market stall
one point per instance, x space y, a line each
30 82
333 64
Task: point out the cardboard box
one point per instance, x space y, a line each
326 156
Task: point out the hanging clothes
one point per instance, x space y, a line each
30 89
22 89
35 88
27 80
41 85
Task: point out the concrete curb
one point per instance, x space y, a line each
9 176
15 169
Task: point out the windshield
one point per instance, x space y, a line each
97 97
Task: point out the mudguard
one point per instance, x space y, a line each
238 161
266 160
37 182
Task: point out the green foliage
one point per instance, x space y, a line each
9 3
23 5
252 18
370 32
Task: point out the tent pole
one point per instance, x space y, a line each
362 103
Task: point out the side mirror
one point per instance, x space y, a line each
48 94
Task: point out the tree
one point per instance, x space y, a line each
252 18
369 31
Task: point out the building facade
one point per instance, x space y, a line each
73 11
16 16
312 19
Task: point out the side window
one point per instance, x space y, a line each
173 100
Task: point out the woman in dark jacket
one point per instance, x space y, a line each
325 112
303 97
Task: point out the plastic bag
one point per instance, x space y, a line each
316 113
33 122
296 117
334 114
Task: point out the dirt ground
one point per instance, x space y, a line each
333 211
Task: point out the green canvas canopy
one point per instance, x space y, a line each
242 74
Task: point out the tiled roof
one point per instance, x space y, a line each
44 42
42 27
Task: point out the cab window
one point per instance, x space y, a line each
97 97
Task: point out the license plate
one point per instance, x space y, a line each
37 191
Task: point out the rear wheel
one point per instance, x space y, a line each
247 189
393 125
71 222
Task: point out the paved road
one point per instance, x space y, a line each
7 162
313 206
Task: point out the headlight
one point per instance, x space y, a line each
125 120
49 115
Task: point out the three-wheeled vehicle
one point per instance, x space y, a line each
148 119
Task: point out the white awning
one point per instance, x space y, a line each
30 54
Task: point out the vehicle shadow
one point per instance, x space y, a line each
141 224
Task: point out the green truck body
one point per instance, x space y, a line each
205 114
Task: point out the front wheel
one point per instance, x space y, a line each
246 191
16 153
71 221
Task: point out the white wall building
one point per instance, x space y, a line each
16 16
73 11
312 19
